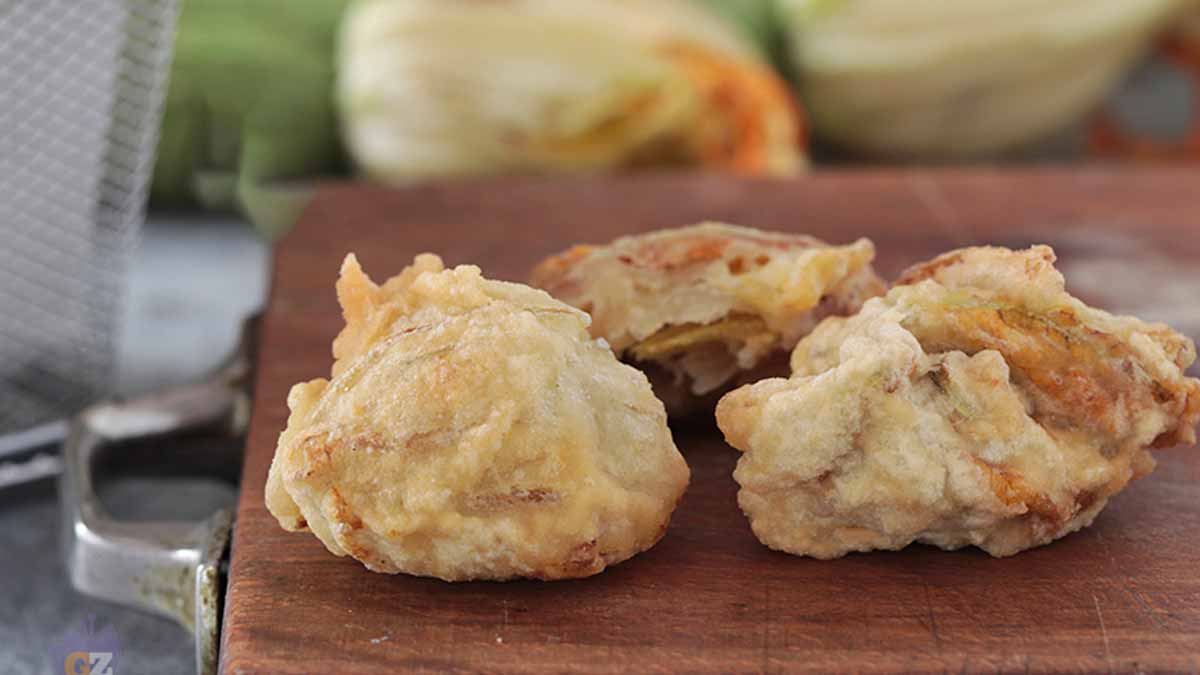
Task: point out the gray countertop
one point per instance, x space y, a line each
192 281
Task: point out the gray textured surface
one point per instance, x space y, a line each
81 83
191 283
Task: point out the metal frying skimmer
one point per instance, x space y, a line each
81 90
82 85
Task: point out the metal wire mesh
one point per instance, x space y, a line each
82 86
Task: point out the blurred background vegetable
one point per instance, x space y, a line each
267 96
456 87
249 107
938 80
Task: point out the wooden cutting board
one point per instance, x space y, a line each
1121 595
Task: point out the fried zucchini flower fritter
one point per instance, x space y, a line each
704 308
472 429
977 403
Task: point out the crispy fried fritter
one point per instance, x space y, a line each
977 403
704 308
473 430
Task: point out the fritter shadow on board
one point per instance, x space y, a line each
705 308
977 403
472 429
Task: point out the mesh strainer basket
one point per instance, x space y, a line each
82 86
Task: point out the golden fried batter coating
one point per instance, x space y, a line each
473 429
977 403
704 308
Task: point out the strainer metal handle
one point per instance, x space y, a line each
173 569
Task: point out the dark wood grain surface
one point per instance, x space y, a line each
1122 595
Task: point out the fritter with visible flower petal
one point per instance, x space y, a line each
704 308
977 403
473 430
